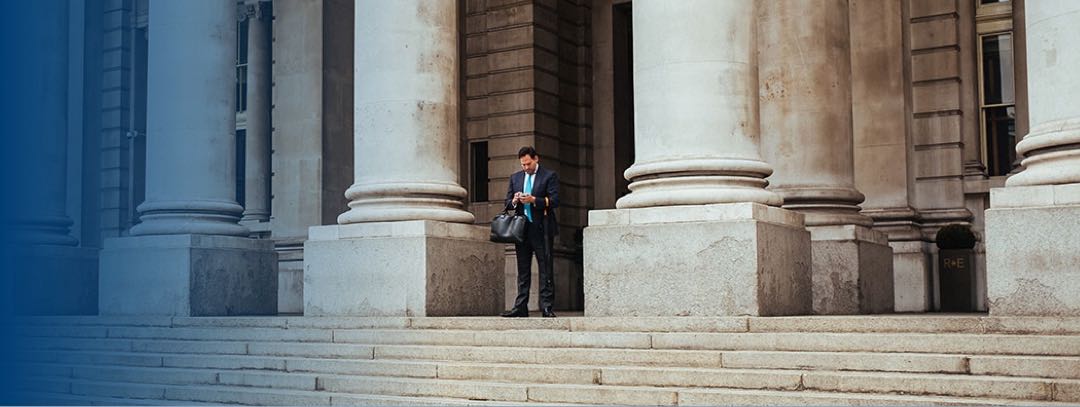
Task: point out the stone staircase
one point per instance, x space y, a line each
877 360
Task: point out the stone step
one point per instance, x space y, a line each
154 353
354 389
85 392
897 323
56 399
453 375
124 338
975 344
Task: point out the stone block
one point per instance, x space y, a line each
223 362
118 390
946 385
912 279
420 268
290 292
935 65
935 96
643 324
936 130
933 33
1032 256
188 275
144 375
122 359
316 350
1029 366
425 387
548 394
364 367
266 379
711 260
519 373
849 361
257 397
203 347
852 270
682 377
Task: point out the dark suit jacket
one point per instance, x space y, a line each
545 185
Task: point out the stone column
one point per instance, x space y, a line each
805 90
1032 245
883 152
691 237
406 221
257 143
49 273
190 256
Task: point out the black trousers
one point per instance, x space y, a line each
535 243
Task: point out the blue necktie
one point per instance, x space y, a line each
528 190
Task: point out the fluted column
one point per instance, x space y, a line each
257 142
695 106
191 139
806 109
1032 248
1051 149
406 114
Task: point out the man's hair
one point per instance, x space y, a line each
527 150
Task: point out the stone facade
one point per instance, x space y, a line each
874 140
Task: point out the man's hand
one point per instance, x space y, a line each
517 198
527 198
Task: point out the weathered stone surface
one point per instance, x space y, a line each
852 271
912 280
1032 258
188 275
712 260
1030 366
856 361
602 395
417 268
946 385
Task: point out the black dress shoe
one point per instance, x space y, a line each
515 313
547 313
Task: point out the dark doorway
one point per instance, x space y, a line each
623 66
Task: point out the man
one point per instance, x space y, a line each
534 191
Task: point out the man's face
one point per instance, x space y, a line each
528 164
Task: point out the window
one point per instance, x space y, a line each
241 166
997 87
478 159
241 64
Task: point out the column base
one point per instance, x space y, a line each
853 270
708 260
912 276
409 268
53 280
1033 251
188 275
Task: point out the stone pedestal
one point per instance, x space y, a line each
1033 250
708 260
408 268
912 278
188 275
853 270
